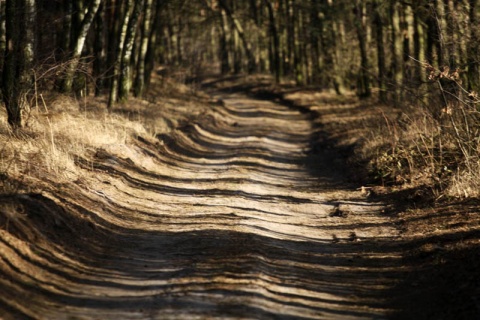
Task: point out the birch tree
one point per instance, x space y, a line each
79 44
117 64
126 78
140 77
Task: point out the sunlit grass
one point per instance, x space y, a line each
51 139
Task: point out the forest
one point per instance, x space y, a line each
397 49
406 54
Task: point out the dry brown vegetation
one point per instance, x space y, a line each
61 129
421 145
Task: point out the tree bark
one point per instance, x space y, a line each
100 62
126 69
381 64
113 97
154 41
78 45
434 48
396 48
451 44
238 27
224 40
19 53
473 53
275 41
363 88
2 34
139 88
418 43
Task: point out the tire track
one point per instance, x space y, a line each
228 223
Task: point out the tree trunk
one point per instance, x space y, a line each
451 44
66 37
406 34
77 16
418 43
17 75
2 34
275 41
126 69
122 34
288 60
154 42
78 45
224 40
298 60
396 45
437 14
315 32
363 88
142 53
473 53
238 27
100 62
381 64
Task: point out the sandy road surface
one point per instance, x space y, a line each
233 216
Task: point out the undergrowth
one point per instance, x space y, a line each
53 136
59 129
434 141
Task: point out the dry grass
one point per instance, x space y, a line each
417 145
420 148
465 183
54 135
60 129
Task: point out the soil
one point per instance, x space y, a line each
251 209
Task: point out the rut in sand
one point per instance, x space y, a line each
236 215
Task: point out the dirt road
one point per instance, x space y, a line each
234 215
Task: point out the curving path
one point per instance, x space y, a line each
232 216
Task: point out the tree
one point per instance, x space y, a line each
379 38
140 78
100 50
275 41
78 44
19 56
121 39
126 78
334 44
396 49
473 56
240 32
363 88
